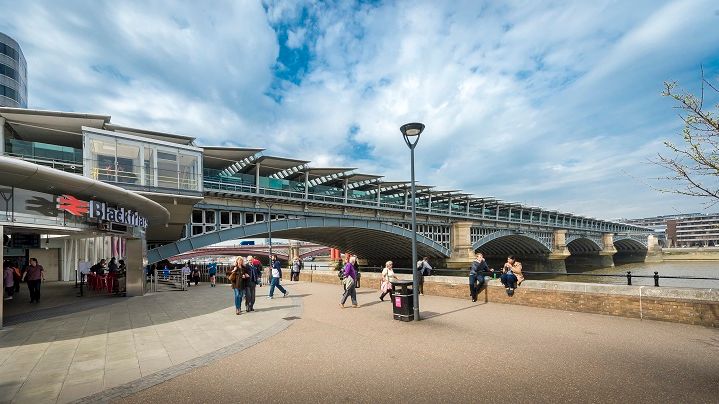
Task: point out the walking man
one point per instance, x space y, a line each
276 276
476 275
253 271
423 269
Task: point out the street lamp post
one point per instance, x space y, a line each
269 230
411 132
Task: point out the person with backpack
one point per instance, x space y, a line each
212 273
253 270
423 269
296 268
349 282
476 275
276 267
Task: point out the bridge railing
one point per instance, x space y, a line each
539 275
246 184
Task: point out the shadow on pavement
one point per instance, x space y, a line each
430 314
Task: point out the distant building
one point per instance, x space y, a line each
685 230
13 74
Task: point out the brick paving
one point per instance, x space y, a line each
460 352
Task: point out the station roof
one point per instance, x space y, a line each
363 182
165 137
53 127
220 157
270 165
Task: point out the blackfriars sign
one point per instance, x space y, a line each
100 211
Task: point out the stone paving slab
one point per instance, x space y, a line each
63 356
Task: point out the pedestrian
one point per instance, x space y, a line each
112 266
34 275
350 277
17 276
8 279
212 273
357 271
252 267
195 275
512 274
99 268
388 277
276 267
476 275
423 269
123 267
238 277
296 268
186 273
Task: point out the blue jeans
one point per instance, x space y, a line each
475 284
238 298
509 280
275 283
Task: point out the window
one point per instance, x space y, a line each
128 163
188 172
102 159
10 51
167 174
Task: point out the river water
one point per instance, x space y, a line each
703 269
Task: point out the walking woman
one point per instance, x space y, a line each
349 282
238 277
388 277
34 275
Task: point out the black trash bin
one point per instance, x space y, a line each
403 304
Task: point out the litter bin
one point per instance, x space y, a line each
403 304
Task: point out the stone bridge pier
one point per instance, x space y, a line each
547 250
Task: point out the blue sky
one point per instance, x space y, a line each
555 104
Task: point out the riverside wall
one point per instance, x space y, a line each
679 305
691 254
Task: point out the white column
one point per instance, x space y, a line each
257 178
2 137
2 280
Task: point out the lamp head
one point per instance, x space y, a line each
412 129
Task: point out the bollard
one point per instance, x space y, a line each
629 278
656 278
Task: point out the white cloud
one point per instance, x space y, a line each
555 104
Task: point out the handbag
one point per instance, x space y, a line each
348 282
232 277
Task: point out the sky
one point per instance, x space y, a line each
554 104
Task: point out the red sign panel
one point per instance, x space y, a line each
72 205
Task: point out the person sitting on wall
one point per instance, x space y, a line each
512 274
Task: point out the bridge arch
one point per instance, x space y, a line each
506 242
629 244
580 245
366 238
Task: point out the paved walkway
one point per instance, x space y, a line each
461 352
66 349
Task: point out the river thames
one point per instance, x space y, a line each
703 269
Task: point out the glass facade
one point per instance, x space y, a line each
127 160
13 74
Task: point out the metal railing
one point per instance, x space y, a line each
528 274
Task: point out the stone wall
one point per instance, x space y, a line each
680 305
691 254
